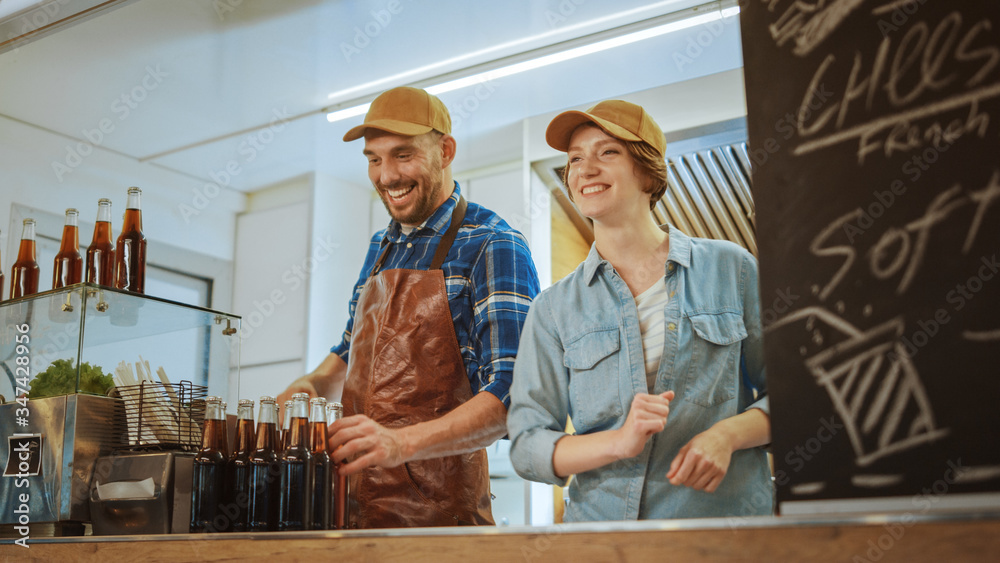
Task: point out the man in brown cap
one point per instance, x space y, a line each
424 367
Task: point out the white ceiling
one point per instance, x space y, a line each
204 77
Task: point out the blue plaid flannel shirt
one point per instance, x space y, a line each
490 279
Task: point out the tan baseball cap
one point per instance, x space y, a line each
618 118
404 111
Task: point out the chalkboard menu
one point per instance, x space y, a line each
874 132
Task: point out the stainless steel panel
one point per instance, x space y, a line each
711 193
76 429
686 167
692 217
734 208
674 213
739 178
154 515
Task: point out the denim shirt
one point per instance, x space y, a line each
581 356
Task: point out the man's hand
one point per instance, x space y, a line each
702 463
471 426
369 441
647 416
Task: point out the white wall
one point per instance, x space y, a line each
301 243
501 189
338 243
270 289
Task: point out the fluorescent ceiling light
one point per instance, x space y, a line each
349 112
554 58
516 45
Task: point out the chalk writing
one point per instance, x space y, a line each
893 6
810 488
808 24
986 336
977 474
904 249
876 481
920 66
874 387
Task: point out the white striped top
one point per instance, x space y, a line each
650 305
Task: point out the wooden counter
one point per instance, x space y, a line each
880 538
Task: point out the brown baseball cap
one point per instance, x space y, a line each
618 118
404 111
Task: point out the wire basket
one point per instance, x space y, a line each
164 416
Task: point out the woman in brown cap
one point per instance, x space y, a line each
652 346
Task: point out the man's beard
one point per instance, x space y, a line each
423 208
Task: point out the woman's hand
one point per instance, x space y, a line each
702 463
647 416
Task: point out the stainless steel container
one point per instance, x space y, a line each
166 509
73 431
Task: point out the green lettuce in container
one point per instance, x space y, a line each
60 379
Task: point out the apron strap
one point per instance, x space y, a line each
381 260
457 216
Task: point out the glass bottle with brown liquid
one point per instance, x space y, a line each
101 252
322 474
223 431
208 475
24 272
264 471
130 250
238 468
286 425
67 268
335 411
295 503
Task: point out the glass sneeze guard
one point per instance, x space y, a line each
74 331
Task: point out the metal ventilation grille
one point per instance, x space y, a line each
708 193
708 185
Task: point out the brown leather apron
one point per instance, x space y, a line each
405 367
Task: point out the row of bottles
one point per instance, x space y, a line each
270 482
122 266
